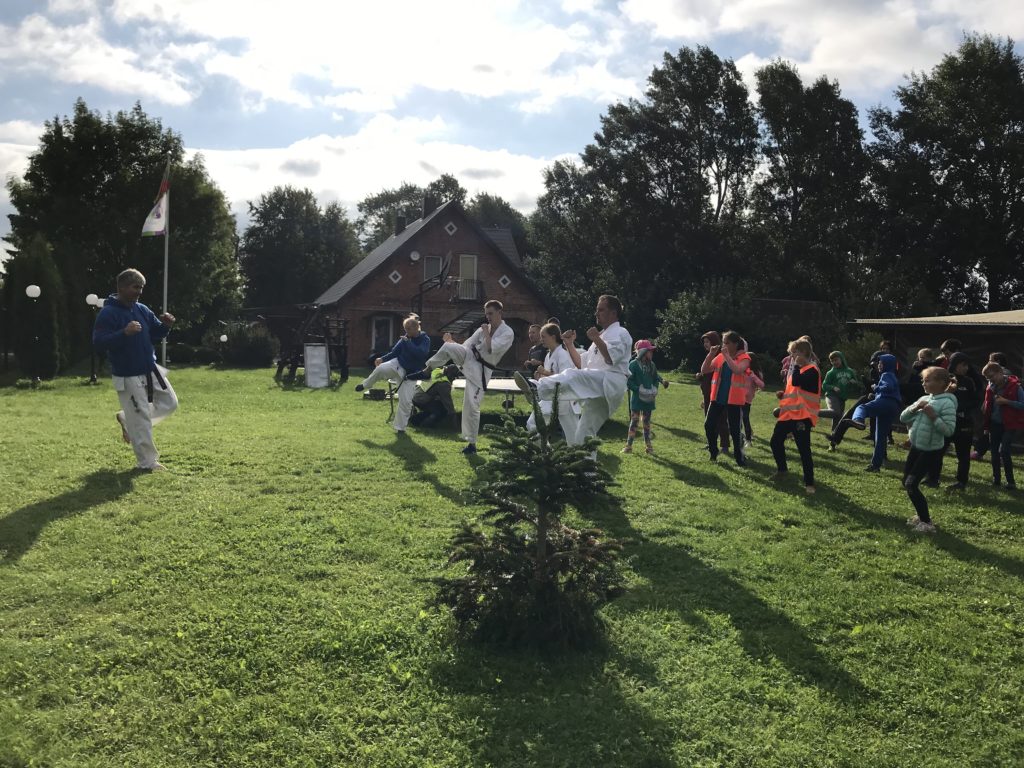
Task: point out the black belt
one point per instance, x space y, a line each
149 383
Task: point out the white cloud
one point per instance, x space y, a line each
78 54
384 153
374 53
21 132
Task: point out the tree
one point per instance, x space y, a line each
40 338
292 250
661 186
807 207
948 183
378 212
88 189
535 581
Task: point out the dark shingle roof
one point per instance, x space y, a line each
502 237
375 258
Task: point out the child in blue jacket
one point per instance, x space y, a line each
883 407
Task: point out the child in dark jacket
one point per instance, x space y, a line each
883 407
968 411
1004 419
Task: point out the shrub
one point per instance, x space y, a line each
178 352
247 346
534 581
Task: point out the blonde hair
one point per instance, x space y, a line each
801 345
410 323
936 372
991 367
926 353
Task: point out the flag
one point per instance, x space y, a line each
156 222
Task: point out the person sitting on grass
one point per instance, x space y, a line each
932 420
798 411
405 360
883 407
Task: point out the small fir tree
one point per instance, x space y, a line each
534 581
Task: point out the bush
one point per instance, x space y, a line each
178 352
535 581
247 346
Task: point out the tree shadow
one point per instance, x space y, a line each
836 502
20 529
531 707
691 586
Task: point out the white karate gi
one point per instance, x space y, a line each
557 361
393 372
139 416
476 374
599 386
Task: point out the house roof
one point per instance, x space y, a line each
376 257
1013 318
502 237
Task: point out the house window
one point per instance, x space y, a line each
431 266
383 334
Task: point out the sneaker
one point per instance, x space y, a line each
956 487
157 467
628 449
779 474
854 424
471 448
912 521
650 449
872 468
400 433
831 447
975 456
714 457
810 490
124 428
931 483
746 444
924 528
359 387
524 387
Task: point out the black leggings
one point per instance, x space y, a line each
801 429
920 464
711 428
747 429
961 442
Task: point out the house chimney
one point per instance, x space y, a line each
399 223
429 205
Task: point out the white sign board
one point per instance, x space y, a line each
318 369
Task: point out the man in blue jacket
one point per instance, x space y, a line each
402 366
126 330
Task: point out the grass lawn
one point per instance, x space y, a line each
263 602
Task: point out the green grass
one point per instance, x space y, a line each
263 602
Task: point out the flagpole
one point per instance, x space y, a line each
167 238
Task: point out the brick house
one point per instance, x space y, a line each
443 267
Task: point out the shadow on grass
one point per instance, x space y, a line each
837 502
699 479
680 579
533 709
20 529
415 459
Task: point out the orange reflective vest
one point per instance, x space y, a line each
738 385
797 403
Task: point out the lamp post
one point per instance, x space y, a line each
95 302
34 292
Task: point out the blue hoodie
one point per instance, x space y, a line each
412 354
888 385
129 355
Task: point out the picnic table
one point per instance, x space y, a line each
497 385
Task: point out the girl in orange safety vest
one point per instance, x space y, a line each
728 365
798 411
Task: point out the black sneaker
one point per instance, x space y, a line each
931 483
471 448
854 424
872 468
956 487
359 387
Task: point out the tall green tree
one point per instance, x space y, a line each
292 250
87 190
808 206
494 211
948 183
663 182
378 212
39 332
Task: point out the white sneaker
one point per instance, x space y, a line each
924 528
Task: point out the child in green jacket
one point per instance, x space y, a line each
931 419
840 385
643 388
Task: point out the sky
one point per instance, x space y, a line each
349 98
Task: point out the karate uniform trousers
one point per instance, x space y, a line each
600 393
476 377
139 416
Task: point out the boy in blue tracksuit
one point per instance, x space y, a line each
125 331
884 406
